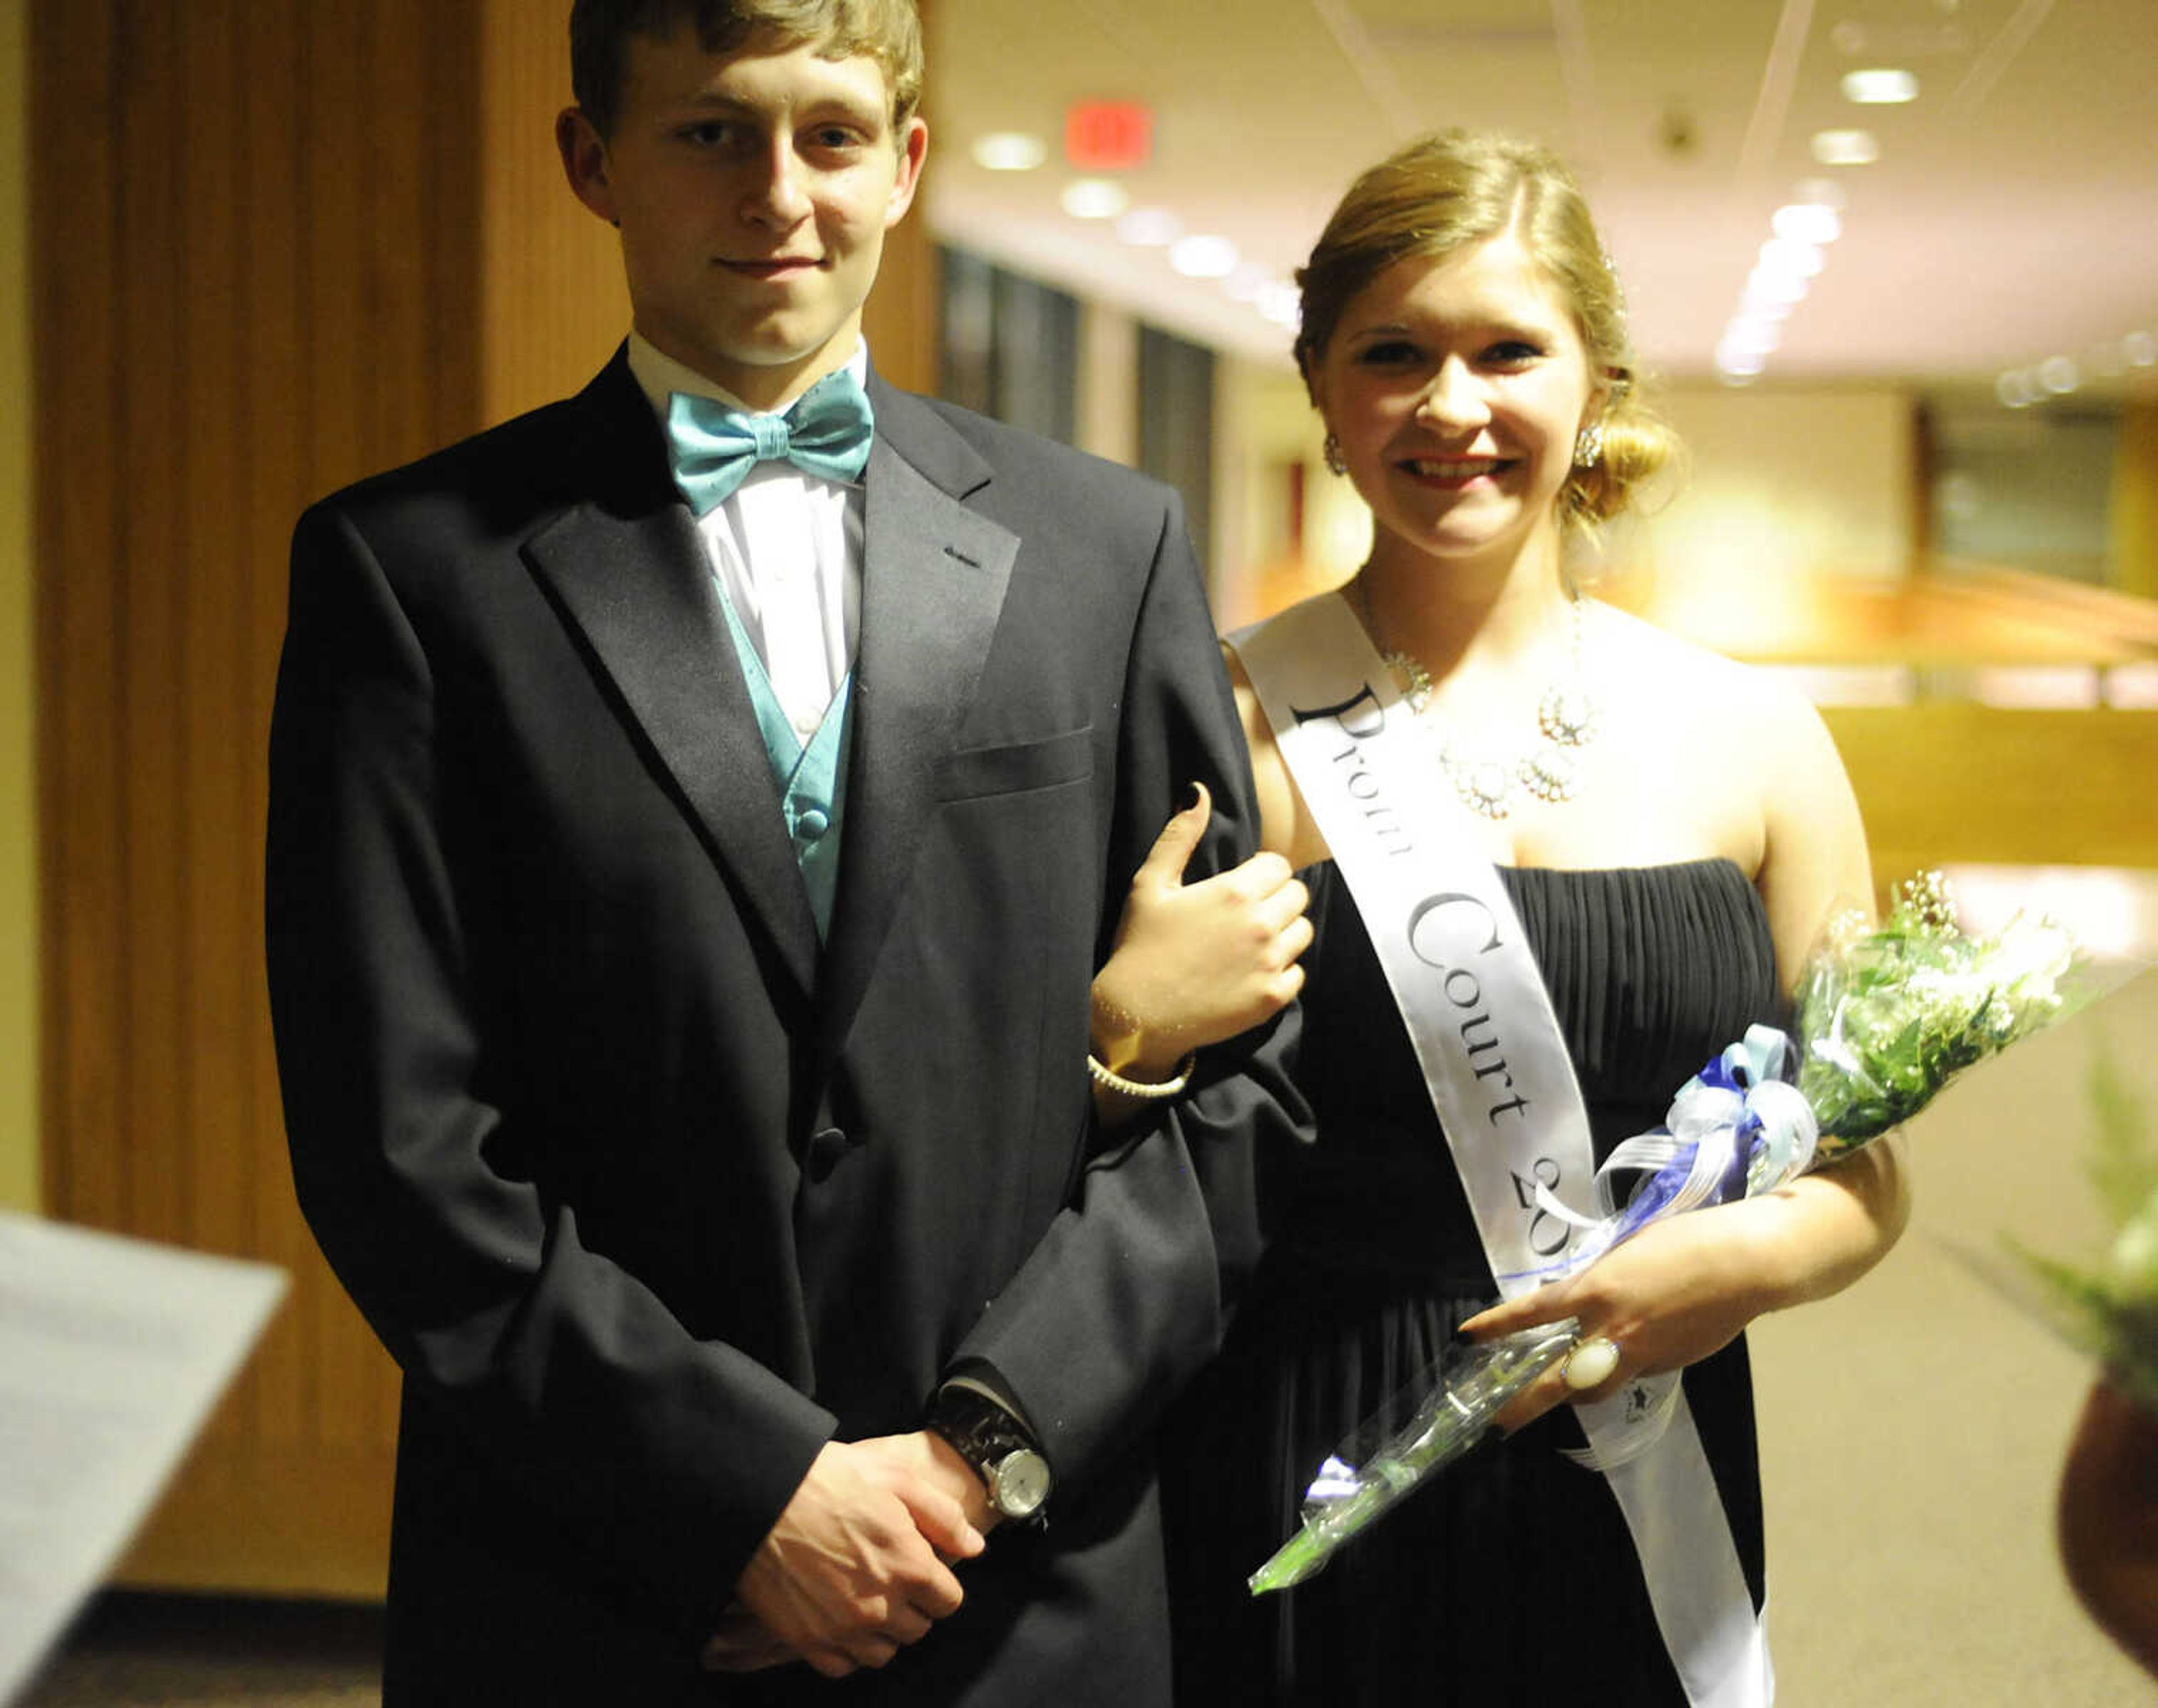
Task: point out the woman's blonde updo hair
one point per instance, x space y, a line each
1455 187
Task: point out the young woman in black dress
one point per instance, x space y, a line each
1672 836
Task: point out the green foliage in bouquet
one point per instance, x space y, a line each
2111 1310
1888 1014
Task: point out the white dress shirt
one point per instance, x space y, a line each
787 545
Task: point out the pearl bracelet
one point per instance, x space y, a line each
1142 1088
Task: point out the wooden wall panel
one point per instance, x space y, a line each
77 382
1955 781
553 304
2132 549
272 305
279 246
257 245
212 662
900 320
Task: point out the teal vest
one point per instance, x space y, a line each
813 779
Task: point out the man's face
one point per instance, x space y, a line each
753 191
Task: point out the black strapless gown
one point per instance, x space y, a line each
1511 1579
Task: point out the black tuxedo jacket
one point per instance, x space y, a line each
649 1192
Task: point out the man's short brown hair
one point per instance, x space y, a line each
887 31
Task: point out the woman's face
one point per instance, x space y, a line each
1456 387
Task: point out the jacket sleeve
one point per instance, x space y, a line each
1127 1294
668 1457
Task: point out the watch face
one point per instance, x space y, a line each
1020 1484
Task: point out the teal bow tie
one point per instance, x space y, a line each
712 448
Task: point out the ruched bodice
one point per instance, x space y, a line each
1643 964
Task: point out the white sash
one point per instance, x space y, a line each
1502 1083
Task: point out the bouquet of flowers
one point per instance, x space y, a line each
2111 1309
1886 1016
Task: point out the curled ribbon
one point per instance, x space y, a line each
1736 1129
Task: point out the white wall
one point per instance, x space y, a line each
1785 481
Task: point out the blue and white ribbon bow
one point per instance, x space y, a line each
1736 1129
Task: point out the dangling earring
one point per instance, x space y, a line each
1588 445
1336 463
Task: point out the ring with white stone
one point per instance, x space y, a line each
1591 1363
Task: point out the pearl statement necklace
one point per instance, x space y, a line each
1568 718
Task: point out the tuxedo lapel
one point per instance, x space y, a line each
934 574
627 569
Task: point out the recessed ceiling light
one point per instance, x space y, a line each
1739 364
1879 85
2014 389
2059 376
1248 283
1772 296
1283 305
1203 257
1782 258
1009 151
1149 227
1094 198
1846 147
1748 336
1764 286
1807 222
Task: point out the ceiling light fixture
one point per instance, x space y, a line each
1009 151
1846 147
1780 277
1766 287
1748 335
1203 255
1879 85
1149 227
1094 198
1807 222
1283 305
1785 259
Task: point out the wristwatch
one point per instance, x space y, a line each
989 1437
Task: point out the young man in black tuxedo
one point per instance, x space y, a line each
698 808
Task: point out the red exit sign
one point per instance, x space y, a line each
1107 135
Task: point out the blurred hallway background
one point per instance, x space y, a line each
263 249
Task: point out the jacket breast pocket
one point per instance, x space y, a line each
1017 768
